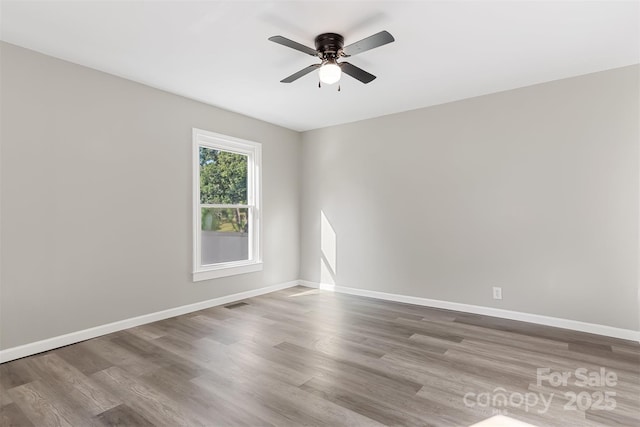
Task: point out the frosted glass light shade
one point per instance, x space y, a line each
330 73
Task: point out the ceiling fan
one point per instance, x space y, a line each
329 48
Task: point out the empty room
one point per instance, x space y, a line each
317 213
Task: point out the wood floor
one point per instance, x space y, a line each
307 357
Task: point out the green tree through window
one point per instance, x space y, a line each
223 180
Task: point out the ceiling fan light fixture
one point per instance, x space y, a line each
329 48
330 72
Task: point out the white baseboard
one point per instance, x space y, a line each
74 337
575 325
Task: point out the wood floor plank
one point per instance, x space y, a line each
151 403
253 360
129 361
235 399
123 416
16 373
510 338
150 351
69 381
148 332
611 418
83 359
12 416
300 406
357 367
281 360
5 399
365 395
382 413
45 407
188 394
535 330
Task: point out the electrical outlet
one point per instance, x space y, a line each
497 292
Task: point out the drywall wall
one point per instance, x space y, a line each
96 198
534 190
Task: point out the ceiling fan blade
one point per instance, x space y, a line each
371 42
293 45
295 76
356 72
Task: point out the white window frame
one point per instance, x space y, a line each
253 151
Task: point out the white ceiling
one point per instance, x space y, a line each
218 53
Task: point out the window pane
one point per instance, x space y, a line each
223 177
224 235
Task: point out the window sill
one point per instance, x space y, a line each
226 270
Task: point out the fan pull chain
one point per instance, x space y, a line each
338 88
319 85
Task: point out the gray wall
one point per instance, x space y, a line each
88 154
534 190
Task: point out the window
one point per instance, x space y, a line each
226 211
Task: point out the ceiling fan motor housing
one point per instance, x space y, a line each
329 45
